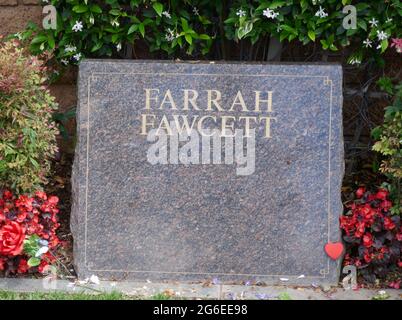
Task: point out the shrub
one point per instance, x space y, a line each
372 234
103 28
27 232
389 144
27 133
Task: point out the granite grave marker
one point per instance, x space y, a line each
193 217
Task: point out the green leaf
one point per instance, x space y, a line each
272 4
33 262
184 25
96 9
384 45
289 29
311 35
34 162
115 12
50 41
132 29
141 28
97 46
304 5
39 39
362 6
158 7
80 8
204 37
362 24
188 38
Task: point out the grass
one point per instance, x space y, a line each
8 295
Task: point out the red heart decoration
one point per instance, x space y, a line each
334 249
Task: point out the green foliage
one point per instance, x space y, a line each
109 26
389 144
112 27
27 133
312 21
61 118
284 296
31 245
59 295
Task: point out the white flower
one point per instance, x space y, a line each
270 14
166 14
170 35
91 19
381 35
241 13
115 23
321 13
64 61
41 251
70 48
368 43
373 22
94 279
378 47
18 35
388 20
195 11
382 292
78 26
278 28
118 46
77 56
354 61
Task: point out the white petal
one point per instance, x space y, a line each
94 279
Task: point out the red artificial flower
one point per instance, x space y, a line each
23 266
24 216
367 240
360 228
395 284
7 195
42 268
360 192
24 203
386 205
381 194
41 195
367 257
388 223
53 200
12 236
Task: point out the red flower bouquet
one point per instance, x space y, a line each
372 234
27 232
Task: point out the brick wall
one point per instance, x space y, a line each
14 14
